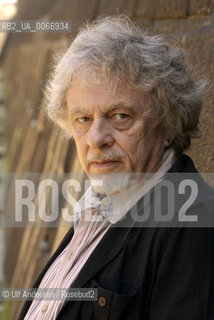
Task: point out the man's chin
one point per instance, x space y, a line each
110 183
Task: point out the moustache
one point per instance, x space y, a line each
105 156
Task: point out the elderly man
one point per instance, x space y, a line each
131 104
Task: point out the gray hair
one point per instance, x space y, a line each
119 49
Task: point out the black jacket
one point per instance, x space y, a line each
148 273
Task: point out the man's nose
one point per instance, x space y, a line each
100 134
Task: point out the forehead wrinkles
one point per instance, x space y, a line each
104 92
113 84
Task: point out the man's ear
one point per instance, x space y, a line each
168 140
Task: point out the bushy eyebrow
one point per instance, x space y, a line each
81 110
122 106
77 110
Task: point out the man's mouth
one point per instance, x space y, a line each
104 164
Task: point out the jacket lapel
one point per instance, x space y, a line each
109 246
106 250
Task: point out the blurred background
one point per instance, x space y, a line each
28 143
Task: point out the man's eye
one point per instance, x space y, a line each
120 116
83 119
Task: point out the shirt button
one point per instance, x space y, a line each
44 308
102 301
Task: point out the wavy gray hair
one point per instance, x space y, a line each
118 48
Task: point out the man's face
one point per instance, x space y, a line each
111 133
